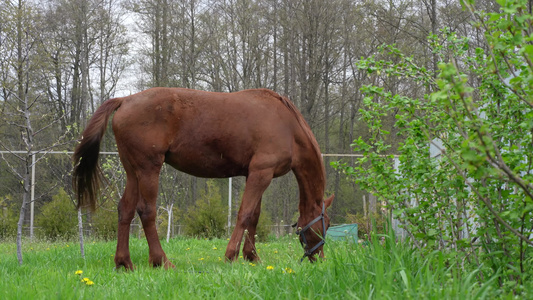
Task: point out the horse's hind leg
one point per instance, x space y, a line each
147 210
256 183
126 212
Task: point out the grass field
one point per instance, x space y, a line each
376 271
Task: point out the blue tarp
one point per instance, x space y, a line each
343 232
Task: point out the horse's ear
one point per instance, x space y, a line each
329 200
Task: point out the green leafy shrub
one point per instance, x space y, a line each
207 217
104 223
58 218
264 225
8 218
475 198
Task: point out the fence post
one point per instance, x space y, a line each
229 205
32 194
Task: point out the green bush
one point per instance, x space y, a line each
474 197
58 218
8 218
263 227
207 218
104 221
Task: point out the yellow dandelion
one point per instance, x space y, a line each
215 248
201 258
89 282
85 279
275 251
288 271
252 264
79 272
68 245
270 268
187 249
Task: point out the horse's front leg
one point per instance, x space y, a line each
248 216
249 251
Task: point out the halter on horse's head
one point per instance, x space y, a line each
315 239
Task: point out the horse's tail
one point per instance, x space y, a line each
87 176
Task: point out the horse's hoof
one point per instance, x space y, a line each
124 267
169 265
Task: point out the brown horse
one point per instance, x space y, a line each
252 133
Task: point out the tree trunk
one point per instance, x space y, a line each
22 214
169 221
26 181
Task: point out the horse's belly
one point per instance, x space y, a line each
206 165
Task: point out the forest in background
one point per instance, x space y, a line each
59 60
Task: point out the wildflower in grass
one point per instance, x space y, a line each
275 251
201 258
187 249
288 271
79 272
252 264
219 258
85 279
89 282
270 268
215 248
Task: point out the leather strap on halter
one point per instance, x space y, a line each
309 252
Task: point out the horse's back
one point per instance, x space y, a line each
207 134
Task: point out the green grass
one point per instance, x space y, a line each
376 271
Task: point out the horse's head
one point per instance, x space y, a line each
313 234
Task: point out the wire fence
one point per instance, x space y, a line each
51 171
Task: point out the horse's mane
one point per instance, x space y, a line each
307 129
